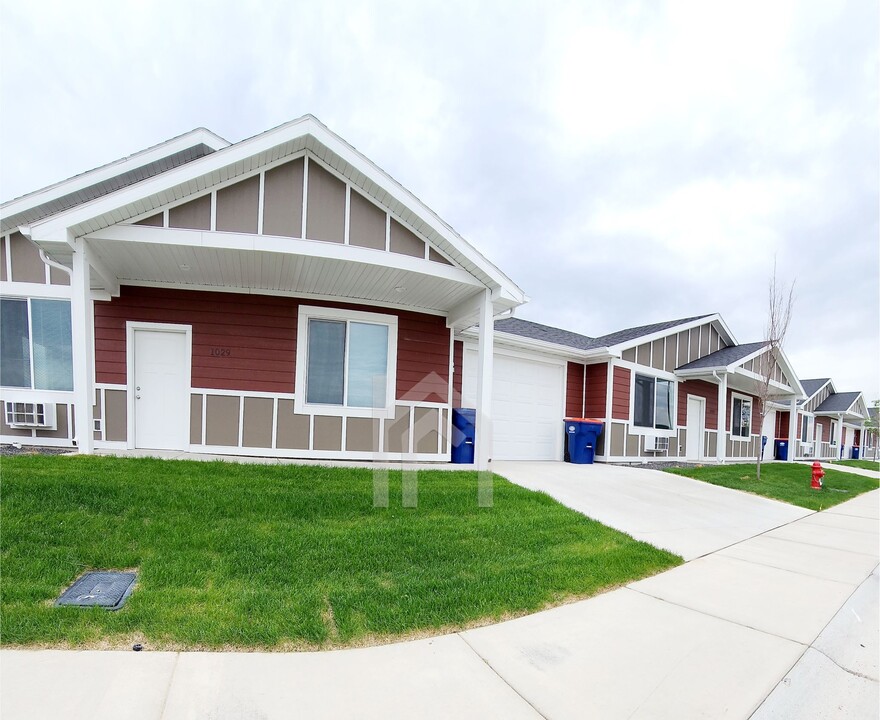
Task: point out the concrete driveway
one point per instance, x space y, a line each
688 517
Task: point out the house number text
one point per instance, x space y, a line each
220 352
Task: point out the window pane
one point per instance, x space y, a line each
746 419
326 362
664 404
15 352
643 402
53 353
367 365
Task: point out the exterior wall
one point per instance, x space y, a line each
742 449
597 390
818 399
574 390
705 390
243 376
457 372
620 394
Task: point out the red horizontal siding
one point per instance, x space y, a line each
702 389
458 365
620 394
597 391
782 425
574 390
259 331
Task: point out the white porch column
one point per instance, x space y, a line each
485 356
721 435
82 330
839 437
793 441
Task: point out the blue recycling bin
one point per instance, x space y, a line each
581 436
781 452
464 434
855 452
763 443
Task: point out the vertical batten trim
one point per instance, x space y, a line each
165 219
7 241
241 420
305 200
275 402
260 203
213 210
387 232
347 224
204 428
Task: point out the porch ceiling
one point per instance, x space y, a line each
236 269
745 382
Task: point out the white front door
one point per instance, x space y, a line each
161 389
769 431
696 424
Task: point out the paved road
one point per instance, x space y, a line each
740 630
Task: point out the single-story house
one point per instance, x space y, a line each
281 296
678 390
829 424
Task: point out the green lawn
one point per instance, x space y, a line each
863 464
284 557
785 481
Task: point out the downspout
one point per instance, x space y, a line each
58 266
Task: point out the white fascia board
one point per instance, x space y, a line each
283 245
635 342
306 125
118 167
820 388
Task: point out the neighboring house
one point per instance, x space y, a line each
282 296
829 423
869 441
678 390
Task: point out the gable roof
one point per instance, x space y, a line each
838 402
306 134
544 333
725 357
811 387
103 180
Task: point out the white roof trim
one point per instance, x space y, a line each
820 389
54 228
110 170
675 329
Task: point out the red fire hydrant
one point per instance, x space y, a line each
818 474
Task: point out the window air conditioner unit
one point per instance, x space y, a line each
656 443
30 415
806 448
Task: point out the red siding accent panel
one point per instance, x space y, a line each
458 368
620 396
574 390
702 389
259 332
782 425
597 391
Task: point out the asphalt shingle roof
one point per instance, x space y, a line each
545 333
723 357
566 338
811 387
838 402
105 187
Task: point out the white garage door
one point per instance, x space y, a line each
527 405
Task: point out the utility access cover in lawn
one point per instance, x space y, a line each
104 589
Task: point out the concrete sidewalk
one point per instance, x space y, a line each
718 636
688 517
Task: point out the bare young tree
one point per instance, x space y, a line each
780 303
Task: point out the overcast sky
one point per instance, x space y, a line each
623 162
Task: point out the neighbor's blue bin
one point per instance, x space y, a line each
464 434
781 450
855 453
581 436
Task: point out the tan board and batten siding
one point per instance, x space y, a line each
330 201
260 334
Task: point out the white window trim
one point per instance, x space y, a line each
308 312
751 402
638 429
